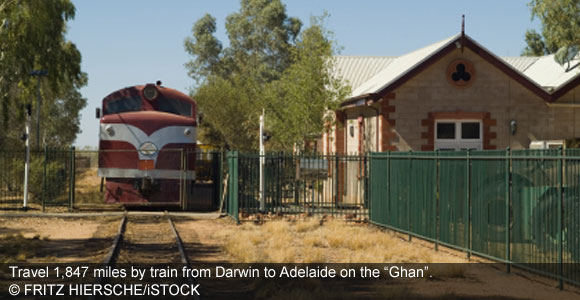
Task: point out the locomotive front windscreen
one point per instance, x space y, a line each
122 105
174 106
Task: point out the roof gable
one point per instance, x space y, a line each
401 66
541 75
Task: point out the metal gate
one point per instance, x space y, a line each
50 181
204 192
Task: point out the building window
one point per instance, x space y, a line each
460 73
458 134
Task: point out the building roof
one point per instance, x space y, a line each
372 76
398 67
355 70
520 63
550 74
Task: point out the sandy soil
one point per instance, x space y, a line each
58 239
200 241
150 240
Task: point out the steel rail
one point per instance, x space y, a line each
182 253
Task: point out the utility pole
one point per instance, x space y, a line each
262 161
27 162
38 74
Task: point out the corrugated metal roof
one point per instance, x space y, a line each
520 63
399 67
550 74
355 70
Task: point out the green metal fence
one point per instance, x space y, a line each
520 207
50 180
333 185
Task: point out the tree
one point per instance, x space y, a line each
267 65
33 38
560 27
307 91
536 46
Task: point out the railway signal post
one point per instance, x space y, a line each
262 161
27 162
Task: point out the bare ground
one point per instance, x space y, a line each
149 239
56 240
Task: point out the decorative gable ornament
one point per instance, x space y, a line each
460 73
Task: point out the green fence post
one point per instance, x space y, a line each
72 179
388 206
560 227
436 200
233 185
220 177
467 218
44 179
409 196
507 208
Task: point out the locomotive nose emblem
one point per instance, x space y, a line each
109 129
148 149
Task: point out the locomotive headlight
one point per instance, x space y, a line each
109 129
150 92
148 149
187 132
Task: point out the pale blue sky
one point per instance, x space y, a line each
129 42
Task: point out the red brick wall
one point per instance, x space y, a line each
387 123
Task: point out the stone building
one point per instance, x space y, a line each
454 94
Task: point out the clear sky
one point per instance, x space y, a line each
130 42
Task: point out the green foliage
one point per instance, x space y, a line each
33 38
560 27
268 65
56 174
56 179
536 45
300 99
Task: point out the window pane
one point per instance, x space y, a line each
445 130
174 106
122 105
470 130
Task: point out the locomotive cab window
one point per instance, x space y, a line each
174 106
116 106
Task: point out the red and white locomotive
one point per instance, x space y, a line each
147 141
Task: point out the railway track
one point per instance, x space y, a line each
146 240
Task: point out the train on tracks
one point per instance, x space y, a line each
147 141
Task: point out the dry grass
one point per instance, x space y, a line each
88 185
315 241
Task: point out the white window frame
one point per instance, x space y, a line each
459 143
